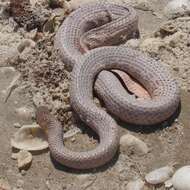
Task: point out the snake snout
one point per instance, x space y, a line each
42 114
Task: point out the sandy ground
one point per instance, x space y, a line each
168 144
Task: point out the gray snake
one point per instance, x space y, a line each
89 27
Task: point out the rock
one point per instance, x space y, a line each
30 137
181 178
135 185
24 159
177 8
160 175
4 184
25 113
130 143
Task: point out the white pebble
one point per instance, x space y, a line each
17 125
181 178
168 183
130 142
135 185
159 175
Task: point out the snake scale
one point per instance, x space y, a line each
79 41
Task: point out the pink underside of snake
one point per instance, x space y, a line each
89 27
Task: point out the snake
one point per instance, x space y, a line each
88 42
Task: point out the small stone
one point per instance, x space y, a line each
133 43
135 185
176 68
160 175
181 178
73 139
17 125
19 183
14 156
184 76
24 159
168 183
23 172
131 143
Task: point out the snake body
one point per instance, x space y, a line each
79 33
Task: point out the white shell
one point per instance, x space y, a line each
30 137
159 175
24 113
181 179
135 185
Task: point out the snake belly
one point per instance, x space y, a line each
94 67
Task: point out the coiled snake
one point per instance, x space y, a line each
89 27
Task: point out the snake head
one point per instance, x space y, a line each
42 116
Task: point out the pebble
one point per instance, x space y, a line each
133 43
23 172
177 8
160 175
168 183
176 68
132 143
24 159
135 185
19 183
17 125
181 178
